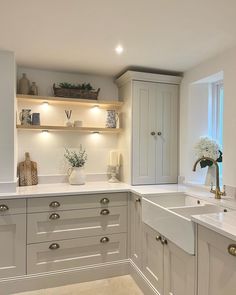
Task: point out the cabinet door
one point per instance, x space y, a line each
152 262
144 123
216 267
179 272
12 245
135 230
167 133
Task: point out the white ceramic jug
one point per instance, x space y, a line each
76 175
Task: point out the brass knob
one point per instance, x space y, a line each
164 241
153 133
159 133
138 200
54 216
104 201
54 204
105 212
54 246
158 238
104 240
3 208
232 249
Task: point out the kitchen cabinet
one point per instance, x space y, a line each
12 238
179 271
155 128
150 119
216 263
153 258
135 230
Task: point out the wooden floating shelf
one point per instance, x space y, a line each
64 128
114 104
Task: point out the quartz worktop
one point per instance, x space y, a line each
224 223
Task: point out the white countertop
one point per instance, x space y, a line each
223 223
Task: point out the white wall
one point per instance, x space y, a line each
7 122
45 79
48 149
225 62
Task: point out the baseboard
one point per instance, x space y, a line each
143 283
64 277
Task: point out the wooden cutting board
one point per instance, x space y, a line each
28 173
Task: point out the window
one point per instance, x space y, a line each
215 116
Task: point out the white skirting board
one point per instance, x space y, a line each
76 275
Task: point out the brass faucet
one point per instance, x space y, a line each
218 193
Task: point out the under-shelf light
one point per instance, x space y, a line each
45 131
45 105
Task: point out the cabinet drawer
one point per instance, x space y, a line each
12 207
44 257
76 202
49 226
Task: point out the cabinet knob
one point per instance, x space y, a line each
232 249
158 238
153 133
138 200
54 246
105 212
104 201
164 241
159 133
54 204
54 216
104 240
3 208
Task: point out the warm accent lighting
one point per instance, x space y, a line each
45 131
119 49
95 132
45 105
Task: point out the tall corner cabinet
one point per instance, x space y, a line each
151 106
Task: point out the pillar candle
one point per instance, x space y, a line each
113 160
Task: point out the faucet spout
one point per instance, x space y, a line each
218 193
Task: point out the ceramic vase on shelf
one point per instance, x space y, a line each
34 89
24 85
210 176
112 119
77 175
25 117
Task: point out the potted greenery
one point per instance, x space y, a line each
77 161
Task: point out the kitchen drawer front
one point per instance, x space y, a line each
76 202
44 257
47 226
11 206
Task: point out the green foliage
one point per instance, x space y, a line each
84 86
76 159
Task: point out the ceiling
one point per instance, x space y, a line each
80 35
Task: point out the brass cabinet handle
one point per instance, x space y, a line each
54 204
104 201
54 246
138 200
232 249
104 240
3 208
54 216
105 212
153 133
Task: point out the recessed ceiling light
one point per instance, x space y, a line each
119 49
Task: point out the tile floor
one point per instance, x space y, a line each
123 285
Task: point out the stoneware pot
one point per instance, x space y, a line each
76 175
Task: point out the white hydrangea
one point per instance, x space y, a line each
207 147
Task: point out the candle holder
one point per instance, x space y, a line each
114 170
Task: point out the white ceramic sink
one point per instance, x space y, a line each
170 215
